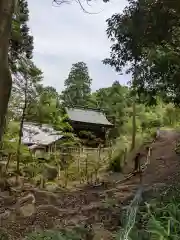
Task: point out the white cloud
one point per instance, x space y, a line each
66 35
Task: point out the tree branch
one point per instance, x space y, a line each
60 2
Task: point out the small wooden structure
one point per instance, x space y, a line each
90 120
40 140
38 150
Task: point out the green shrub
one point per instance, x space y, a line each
115 164
3 235
159 219
153 134
50 172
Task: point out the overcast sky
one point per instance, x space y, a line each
65 35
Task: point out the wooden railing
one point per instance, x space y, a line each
83 150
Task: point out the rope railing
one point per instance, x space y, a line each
131 214
142 167
132 209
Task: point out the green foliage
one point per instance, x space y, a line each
115 164
113 101
146 35
50 173
11 139
21 42
24 93
43 108
62 124
87 134
32 169
124 30
77 86
3 235
159 218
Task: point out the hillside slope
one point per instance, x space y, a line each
98 206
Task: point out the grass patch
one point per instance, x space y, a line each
159 218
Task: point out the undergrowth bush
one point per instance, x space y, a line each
122 150
159 219
115 164
3 235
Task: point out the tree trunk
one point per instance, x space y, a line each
134 126
20 139
6 12
21 127
133 144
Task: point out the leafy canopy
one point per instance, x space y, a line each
147 33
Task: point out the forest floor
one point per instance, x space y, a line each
99 207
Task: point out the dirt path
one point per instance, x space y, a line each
164 161
100 205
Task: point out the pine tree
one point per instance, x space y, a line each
21 42
78 86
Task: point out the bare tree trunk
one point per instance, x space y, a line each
21 127
133 126
6 12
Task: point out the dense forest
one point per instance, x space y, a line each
145 38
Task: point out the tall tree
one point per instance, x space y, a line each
45 107
157 38
127 45
21 42
159 71
77 86
6 12
26 79
114 100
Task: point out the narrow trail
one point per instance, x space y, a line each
101 205
165 162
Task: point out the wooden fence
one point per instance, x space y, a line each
82 150
86 165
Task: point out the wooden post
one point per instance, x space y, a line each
59 171
98 161
133 143
42 182
148 155
55 151
78 162
140 171
66 176
86 168
125 156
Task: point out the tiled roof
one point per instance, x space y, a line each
33 134
87 116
